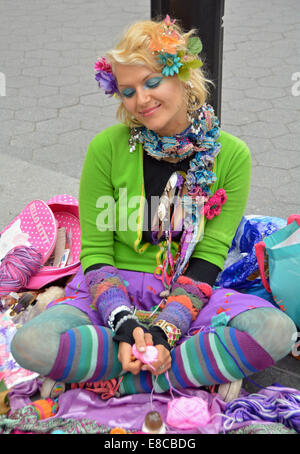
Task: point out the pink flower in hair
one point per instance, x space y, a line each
103 65
168 21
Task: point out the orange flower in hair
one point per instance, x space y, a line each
167 39
165 42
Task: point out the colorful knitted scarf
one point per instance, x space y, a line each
192 188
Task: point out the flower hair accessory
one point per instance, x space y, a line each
171 53
105 78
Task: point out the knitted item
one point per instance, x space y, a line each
17 267
263 428
217 355
86 353
45 408
89 354
105 389
26 420
186 299
108 291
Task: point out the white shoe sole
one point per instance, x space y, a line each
230 391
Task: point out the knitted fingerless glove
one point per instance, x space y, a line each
186 299
111 299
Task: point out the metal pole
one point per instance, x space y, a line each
205 16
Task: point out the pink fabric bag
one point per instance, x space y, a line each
38 226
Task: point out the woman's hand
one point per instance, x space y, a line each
125 356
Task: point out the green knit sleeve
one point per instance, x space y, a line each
96 205
233 171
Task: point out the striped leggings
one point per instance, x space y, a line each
63 344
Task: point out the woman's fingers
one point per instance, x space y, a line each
141 339
129 363
148 339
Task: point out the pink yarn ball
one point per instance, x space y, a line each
148 357
17 267
187 413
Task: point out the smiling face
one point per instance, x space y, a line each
156 101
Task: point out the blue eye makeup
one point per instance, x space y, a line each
128 92
153 82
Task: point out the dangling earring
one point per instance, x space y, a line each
193 113
194 119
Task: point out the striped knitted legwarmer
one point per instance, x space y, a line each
220 356
88 353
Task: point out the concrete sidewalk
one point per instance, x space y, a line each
53 107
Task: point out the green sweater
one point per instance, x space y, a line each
111 231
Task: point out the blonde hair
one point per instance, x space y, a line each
134 49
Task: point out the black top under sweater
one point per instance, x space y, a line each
156 176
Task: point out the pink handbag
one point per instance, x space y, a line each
39 225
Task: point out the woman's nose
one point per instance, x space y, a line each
143 96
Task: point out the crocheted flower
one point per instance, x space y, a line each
171 64
213 206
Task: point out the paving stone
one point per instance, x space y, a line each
6 114
80 112
16 126
265 92
34 139
264 130
285 116
251 104
58 125
287 142
270 177
288 192
281 159
21 81
36 114
40 71
295 173
76 139
59 80
237 118
38 91
294 127
58 101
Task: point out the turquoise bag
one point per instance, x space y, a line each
280 254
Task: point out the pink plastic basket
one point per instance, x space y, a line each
66 213
37 225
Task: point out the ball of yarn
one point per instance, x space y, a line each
19 264
147 357
187 412
45 408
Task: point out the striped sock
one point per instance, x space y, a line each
216 357
86 353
